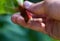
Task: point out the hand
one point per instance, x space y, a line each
44 23
34 24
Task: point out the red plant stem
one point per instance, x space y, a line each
25 13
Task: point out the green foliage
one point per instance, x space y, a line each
7 6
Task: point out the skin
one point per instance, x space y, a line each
45 18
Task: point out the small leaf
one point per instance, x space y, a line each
7 6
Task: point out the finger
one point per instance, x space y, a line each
37 24
37 8
33 24
27 4
18 17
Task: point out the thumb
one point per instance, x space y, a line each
28 4
37 8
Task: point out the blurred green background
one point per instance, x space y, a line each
13 32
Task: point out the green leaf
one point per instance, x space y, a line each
7 6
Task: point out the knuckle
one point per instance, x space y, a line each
14 18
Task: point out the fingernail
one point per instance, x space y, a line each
27 4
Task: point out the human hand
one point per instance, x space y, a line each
44 23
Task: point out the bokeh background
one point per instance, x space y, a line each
13 32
